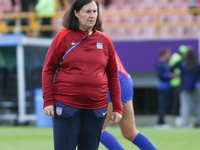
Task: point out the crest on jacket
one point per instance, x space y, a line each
59 111
99 45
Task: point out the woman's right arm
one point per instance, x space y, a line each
50 65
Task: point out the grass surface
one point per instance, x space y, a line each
32 138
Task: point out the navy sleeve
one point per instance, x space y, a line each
162 72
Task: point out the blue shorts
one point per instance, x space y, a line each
126 84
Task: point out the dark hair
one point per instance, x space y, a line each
70 21
191 60
163 51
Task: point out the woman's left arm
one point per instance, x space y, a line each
113 80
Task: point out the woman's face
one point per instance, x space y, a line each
168 55
87 16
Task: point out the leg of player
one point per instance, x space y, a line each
129 131
107 139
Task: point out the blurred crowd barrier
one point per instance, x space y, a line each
123 19
118 23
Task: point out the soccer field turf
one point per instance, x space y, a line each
33 138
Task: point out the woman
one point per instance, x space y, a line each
190 73
78 95
127 123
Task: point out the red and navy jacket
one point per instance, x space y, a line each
86 72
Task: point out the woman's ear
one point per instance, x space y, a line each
76 13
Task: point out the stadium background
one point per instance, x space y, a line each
139 28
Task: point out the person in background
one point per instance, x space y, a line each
46 8
10 6
25 7
127 123
189 95
196 105
192 3
62 5
6 6
176 82
107 2
164 89
79 68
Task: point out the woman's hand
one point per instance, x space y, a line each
116 117
49 110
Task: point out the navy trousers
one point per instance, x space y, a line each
75 127
163 103
176 100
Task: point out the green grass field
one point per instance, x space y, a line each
32 138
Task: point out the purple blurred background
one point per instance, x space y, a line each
141 55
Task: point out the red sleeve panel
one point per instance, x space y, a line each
51 63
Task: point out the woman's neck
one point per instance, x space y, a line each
88 30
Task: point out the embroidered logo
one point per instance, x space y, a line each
73 43
99 45
105 113
59 111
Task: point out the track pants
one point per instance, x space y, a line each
75 127
163 102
